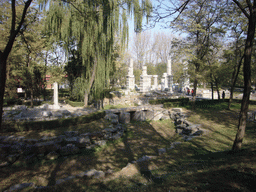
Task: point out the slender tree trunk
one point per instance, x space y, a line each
212 91
87 91
2 84
31 97
247 80
217 88
233 81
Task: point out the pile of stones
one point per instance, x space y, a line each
41 113
30 150
184 127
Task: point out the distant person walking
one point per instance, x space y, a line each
188 91
192 92
223 95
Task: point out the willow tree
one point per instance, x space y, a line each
90 27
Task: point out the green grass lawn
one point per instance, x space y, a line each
204 163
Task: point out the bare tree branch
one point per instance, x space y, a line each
242 9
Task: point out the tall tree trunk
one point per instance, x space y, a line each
31 96
233 81
2 84
247 79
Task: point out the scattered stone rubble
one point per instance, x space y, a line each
30 150
41 113
183 126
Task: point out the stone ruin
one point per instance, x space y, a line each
71 142
145 79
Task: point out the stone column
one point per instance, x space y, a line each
55 96
165 80
130 79
155 82
169 67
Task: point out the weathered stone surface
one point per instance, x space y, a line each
186 131
198 133
71 133
100 143
65 179
48 146
161 151
139 116
164 117
69 149
46 113
177 110
83 141
94 174
96 136
125 117
21 186
72 140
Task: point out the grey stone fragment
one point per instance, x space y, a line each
94 174
179 110
83 141
101 142
164 117
46 113
139 116
21 186
143 158
69 149
71 133
48 146
161 151
125 117
198 133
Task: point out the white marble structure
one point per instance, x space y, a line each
165 80
145 80
169 75
130 79
55 96
155 85
185 80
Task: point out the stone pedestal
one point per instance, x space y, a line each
155 82
130 79
165 80
145 80
170 82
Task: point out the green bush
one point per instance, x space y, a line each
13 101
183 101
75 103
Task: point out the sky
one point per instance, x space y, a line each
159 26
